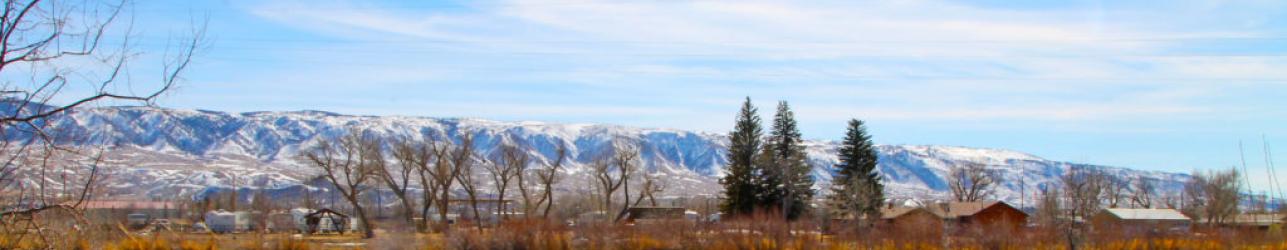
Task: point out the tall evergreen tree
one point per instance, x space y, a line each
741 187
856 187
787 180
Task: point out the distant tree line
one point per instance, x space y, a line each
360 161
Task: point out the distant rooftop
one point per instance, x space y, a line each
129 205
1146 214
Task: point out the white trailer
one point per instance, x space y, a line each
227 222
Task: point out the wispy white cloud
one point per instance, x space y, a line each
911 60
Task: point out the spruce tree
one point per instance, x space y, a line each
856 186
789 183
741 187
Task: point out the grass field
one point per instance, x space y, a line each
744 235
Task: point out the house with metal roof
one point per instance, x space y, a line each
980 213
1145 214
904 219
1140 220
957 214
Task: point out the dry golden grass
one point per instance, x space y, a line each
748 234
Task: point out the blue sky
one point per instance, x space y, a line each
1160 85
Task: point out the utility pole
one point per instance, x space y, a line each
1246 181
235 186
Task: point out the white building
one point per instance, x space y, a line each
227 222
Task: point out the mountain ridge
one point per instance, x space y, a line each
193 151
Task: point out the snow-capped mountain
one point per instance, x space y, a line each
167 152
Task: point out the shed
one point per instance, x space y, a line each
327 220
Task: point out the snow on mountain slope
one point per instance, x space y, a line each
168 152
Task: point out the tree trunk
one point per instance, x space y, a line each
444 203
625 204
500 205
607 206
367 227
408 209
473 203
549 202
424 210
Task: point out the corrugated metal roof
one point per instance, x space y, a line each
895 212
950 210
954 210
1146 214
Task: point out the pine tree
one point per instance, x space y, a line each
740 184
787 180
856 186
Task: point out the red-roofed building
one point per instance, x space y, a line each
989 214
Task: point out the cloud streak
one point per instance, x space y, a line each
921 71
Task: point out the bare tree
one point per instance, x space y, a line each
518 160
349 163
397 177
1170 201
626 161
1049 211
1142 196
503 169
1194 201
1213 195
606 180
650 187
1222 194
51 36
462 158
1115 190
971 182
443 172
1083 188
612 169
547 176
59 51
412 156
